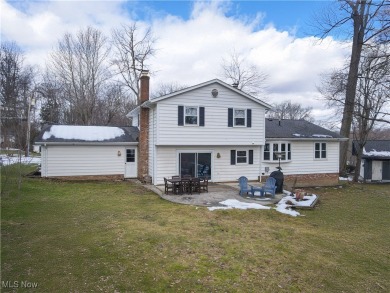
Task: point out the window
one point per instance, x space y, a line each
320 150
130 155
191 115
271 150
266 152
241 157
239 117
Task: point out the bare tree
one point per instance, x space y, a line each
368 21
80 63
166 89
17 83
133 48
247 77
113 109
372 95
289 110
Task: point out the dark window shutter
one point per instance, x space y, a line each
230 117
248 118
180 115
232 157
251 157
201 116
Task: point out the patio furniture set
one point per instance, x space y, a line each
268 187
186 184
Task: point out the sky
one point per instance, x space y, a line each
194 37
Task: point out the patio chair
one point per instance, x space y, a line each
204 184
269 186
244 187
168 186
195 185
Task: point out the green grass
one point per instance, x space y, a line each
118 237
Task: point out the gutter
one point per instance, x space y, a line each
305 139
44 143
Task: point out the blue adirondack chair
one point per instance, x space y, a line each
244 187
269 186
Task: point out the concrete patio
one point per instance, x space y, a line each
217 192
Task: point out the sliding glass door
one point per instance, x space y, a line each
195 164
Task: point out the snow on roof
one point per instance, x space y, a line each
374 153
85 133
322 136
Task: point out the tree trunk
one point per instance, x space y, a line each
357 45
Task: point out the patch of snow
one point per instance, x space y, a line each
219 208
286 209
376 153
282 206
85 133
308 200
345 179
236 204
7 160
322 136
298 135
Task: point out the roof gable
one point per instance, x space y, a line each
297 129
204 84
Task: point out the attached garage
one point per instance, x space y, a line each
88 151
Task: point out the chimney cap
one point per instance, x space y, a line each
144 72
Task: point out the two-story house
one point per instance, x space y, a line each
210 129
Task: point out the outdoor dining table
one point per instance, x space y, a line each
182 185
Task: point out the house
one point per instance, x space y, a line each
375 165
211 129
306 152
216 130
68 150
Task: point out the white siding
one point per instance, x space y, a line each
83 160
152 139
216 131
167 162
303 161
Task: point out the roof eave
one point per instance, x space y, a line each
308 138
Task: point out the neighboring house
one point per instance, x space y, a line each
68 150
375 164
308 153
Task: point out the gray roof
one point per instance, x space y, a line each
374 149
74 134
296 129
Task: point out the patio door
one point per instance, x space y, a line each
195 164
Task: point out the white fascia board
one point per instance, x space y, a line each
133 112
306 139
264 104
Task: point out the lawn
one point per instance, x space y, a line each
119 237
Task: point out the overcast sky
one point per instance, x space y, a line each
194 36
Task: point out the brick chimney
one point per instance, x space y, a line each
143 138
